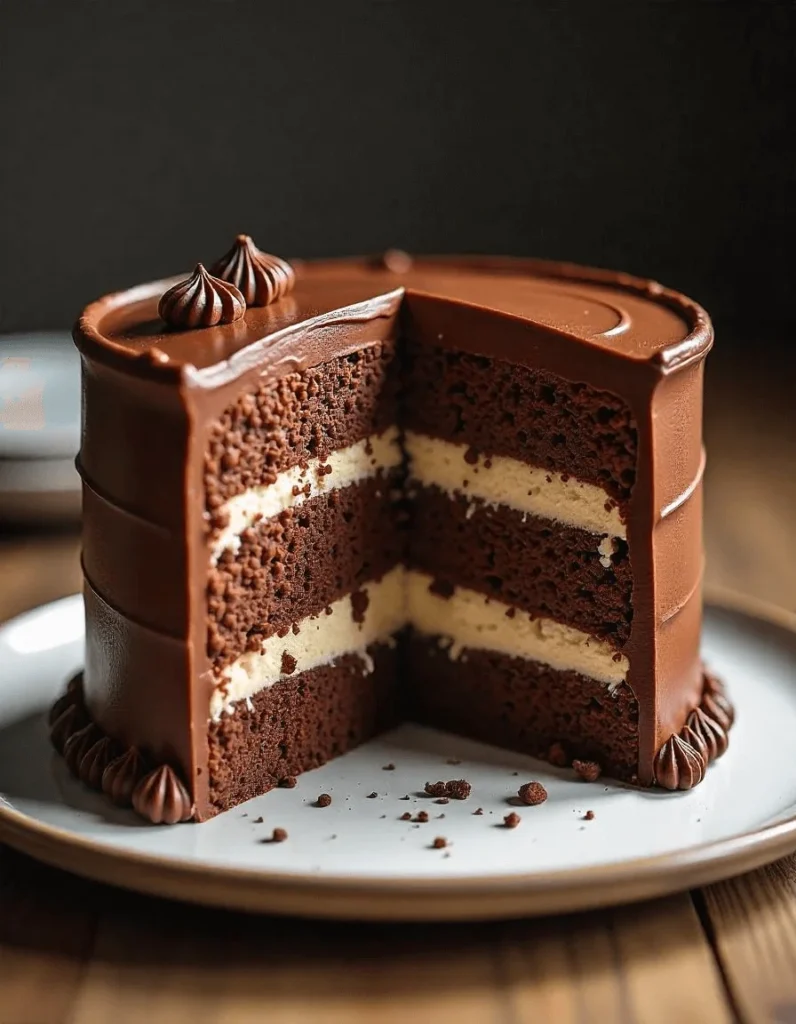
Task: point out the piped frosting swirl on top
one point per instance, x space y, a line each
201 301
261 277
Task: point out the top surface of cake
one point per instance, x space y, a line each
632 318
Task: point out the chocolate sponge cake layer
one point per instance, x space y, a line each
522 705
540 566
300 723
301 416
295 564
504 409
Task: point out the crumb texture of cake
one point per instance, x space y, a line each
302 723
289 567
339 405
532 416
467 494
315 561
522 704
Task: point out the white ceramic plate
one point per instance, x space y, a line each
356 858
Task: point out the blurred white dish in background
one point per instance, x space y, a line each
39 427
39 396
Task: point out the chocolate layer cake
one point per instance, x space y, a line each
320 501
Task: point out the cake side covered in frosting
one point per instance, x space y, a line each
489 467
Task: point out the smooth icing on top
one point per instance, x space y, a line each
634 319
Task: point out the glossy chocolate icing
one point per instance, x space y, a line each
260 277
150 394
201 301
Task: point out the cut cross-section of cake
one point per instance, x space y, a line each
465 492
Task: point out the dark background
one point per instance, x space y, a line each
655 137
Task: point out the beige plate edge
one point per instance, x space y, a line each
417 899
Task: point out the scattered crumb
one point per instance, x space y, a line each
406 797
512 820
478 810
406 816
244 815
279 835
382 816
515 773
440 843
373 795
288 783
588 816
333 836
589 771
453 761
388 767
442 800
259 821
532 793
456 789
557 756
440 815
323 800
422 817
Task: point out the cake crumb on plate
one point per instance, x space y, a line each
455 789
589 771
532 793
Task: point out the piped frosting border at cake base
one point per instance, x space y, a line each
158 794
124 775
682 761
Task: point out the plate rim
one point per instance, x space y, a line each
414 899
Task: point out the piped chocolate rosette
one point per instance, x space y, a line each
201 301
260 277
682 761
124 775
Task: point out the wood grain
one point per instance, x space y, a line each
753 923
646 963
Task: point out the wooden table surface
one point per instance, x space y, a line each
73 952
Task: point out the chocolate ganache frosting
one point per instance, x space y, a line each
201 301
155 391
260 277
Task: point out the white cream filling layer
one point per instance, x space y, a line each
320 640
500 480
464 620
469 619
298 484
496 480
